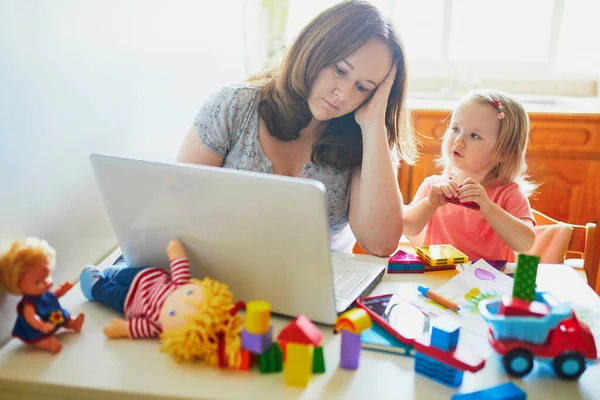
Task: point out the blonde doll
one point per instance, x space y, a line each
483 156
25 270
194 319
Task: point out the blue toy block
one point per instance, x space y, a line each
437 370
444 334
257 343
505 391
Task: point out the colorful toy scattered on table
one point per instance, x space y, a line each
438 356
194 319
25 270
504 391
533 325
302 351
351 323
428 259
257 338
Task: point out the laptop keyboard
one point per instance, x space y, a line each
344 282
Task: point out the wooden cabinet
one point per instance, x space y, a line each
563 158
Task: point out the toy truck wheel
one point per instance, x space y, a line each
569 365
518 362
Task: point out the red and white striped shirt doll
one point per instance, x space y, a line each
147 295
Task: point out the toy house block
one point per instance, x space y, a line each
318 360
350 352
258 317
257 344
301 330
445 333
271 361
246 362
505 391
298 366
525 276
437 370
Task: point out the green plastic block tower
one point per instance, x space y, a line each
525 275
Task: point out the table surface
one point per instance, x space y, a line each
90 366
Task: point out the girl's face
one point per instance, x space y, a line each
472 136
342 87
36 280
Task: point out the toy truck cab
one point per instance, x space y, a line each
542 330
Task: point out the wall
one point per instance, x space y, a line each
77 77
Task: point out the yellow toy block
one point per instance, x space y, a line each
298 365
355 320
258 317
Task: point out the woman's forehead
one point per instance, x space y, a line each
372 61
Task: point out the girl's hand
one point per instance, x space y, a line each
439 190
372 112
470 190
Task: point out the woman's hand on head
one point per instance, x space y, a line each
372 112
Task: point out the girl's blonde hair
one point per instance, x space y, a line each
331 36
199 337
511 146
21 256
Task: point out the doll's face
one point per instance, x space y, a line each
179 304
36 280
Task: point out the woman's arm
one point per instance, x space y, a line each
375 214
193 151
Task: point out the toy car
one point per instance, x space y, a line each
543 330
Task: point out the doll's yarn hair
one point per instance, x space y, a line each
198 339
21 256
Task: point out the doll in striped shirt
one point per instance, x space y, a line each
168 304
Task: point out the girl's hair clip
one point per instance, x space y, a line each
498 106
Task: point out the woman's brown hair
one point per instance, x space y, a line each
330 37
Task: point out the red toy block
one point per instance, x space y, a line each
469 204
246 360
517 307
460 358
302 331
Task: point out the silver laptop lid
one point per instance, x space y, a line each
264 235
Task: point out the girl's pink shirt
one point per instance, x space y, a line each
467 229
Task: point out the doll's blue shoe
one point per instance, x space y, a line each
89 276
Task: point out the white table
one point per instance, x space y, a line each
90 366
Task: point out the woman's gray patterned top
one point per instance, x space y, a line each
228 125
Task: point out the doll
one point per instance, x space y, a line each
194 319
25 269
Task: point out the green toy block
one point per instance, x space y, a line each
525 276
271 361
318 361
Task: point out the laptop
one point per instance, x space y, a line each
265 236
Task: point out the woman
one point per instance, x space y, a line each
332 111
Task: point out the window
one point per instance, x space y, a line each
539 46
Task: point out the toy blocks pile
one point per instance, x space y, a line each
428 259
302 350
438 356
257 339
351 323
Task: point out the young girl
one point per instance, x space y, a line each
25 269
333 110
483 155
